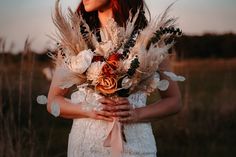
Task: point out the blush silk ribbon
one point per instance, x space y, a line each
114 138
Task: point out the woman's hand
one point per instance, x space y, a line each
120 108
100 115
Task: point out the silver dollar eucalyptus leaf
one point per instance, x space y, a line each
55 109
173 76
163 85
42 99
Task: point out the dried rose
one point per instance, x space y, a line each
106 85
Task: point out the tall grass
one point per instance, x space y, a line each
17 137
26 128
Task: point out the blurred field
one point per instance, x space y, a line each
204 128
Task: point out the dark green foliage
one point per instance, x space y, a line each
86 36
122 92
174 32
130 43
140 24
133 66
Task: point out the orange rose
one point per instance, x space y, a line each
106 85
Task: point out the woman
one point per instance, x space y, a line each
90 128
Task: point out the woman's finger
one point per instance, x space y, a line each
122 113
99 117
116 108
104 113
126 120
106 101
122 101
122 107
108 108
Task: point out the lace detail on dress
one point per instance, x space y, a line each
138 99
87 136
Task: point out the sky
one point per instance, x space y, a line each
20 19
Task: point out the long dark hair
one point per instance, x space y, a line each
121 9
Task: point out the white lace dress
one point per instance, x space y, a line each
87 136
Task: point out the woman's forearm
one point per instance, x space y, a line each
67 109
163 108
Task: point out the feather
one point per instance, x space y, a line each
162 21
157 50
66 78
83 28
130 24
68 36
114 37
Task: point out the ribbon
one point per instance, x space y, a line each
114 138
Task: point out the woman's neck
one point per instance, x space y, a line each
105 14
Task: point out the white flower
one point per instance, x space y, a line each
94 71
42 99
81 62
55 109
173 76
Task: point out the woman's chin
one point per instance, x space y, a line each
89 9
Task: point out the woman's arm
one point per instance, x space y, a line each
68 109
169 104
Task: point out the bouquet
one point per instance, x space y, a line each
127 62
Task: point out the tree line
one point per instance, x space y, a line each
206 46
